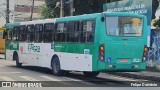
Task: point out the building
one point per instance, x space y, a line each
20 10
23 8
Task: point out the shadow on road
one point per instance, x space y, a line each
77 76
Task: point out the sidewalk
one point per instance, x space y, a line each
149 74
146 73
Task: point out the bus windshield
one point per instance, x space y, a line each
124 26
1 34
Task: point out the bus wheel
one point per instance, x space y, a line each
90 74
56 69
19 65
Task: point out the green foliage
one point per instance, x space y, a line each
155 5
46 12
88 6
157 23
50 9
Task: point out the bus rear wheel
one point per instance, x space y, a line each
19 65
91 74
56 69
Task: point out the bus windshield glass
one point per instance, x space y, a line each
1 34
124 26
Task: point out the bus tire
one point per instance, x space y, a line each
91 74
19 65
56 68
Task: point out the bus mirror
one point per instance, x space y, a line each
3 34
102 19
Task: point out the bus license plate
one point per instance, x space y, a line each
124 60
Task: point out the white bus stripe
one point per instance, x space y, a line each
1 66
76 80
28 78
6 78
71 79
58 81
9 72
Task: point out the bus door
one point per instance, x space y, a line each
8 39
125 40
2 41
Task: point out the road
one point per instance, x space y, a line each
1 56
8 72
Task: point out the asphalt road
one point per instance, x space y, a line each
9 72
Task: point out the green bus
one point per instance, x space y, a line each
90 43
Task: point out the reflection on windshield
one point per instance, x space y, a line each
124 26
1 34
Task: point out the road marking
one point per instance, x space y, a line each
71 79
57 80
76 80
1 66
6 78
50 78
9 72
28 78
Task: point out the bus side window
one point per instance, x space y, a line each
16 33
38 32
23 35
9 33
60 35
41 33
73 31
30 33
87 31
48 32
4 34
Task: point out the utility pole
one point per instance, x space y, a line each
71 7
32 10
61 8
7 11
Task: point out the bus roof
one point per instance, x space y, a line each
38 22
11 25
72 18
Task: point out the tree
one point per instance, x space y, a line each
157 23
90 6
46 12
155 5
52 9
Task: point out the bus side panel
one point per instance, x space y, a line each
36 54
2 45
9 55
96 43
22 54
75 62
78 56
102 34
